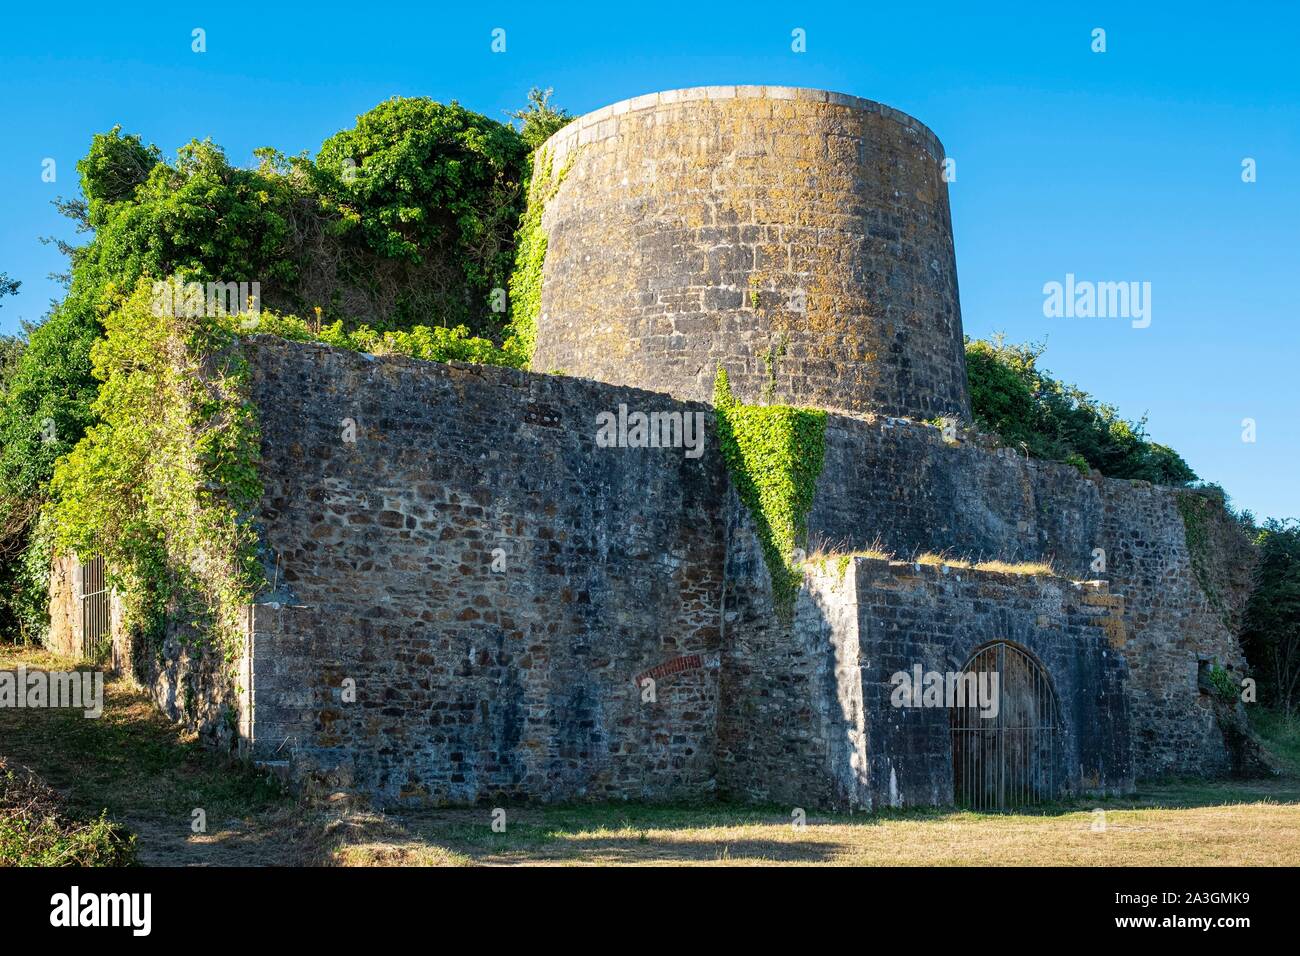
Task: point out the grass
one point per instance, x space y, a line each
140 771
937 559
135 766
36 830
1168 825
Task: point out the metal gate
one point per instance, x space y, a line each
95 621
1007 759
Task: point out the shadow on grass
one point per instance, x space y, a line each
139 767
150 775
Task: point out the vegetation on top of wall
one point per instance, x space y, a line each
933 559
164 484
539 120
435 186
1029 409
408 215
405 220
774 454
432 343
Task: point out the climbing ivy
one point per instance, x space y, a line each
164 485
774 454
530 256
1193 509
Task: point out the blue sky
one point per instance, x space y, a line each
1115 166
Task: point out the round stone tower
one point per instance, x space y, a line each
799 238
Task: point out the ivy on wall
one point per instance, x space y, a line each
164 485
774 454
530 256
1194 510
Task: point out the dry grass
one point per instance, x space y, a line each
1183 825
876 552
147 775
996 567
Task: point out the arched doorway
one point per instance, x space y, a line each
1007 758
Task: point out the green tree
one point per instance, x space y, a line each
437 187
539 119
1271 628
11 346
1026 407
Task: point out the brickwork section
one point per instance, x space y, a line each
910 615
707 226
393 486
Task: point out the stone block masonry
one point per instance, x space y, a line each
720 224
489 579
466 594
812 716
901 487
619 564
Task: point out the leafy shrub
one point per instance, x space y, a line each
421 180
1027 408
539 120
36 831
1271 627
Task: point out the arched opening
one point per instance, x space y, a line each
1004 756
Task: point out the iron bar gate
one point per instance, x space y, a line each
95 615
1007 759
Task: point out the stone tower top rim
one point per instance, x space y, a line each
584 128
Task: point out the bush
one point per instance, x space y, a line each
1271 626
1027 408
35 830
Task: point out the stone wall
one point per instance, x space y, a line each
807 713
938 618
466 589
903 488
392 486
706 226
64 636
192 686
